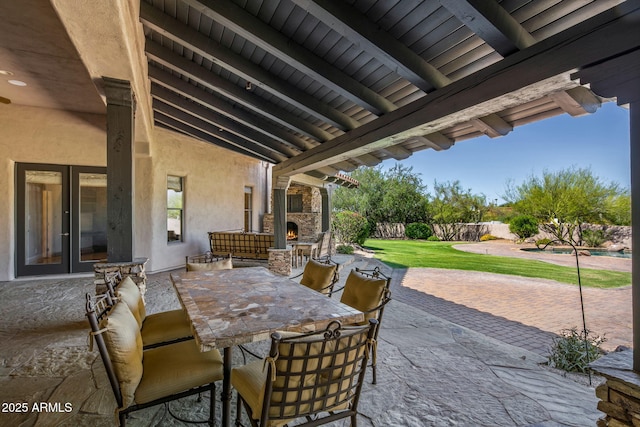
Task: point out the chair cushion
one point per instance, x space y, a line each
128 292
318 276
223 264
363 293
165 326
174 368
124 345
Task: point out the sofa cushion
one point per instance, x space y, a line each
223 264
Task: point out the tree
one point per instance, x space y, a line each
451 207
562 201
523 226
396 195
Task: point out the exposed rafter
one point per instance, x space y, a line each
264 36
349 23
492 24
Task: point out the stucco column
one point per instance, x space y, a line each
121 106
634 123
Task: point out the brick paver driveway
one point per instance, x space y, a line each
521 311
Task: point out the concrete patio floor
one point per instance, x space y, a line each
431 371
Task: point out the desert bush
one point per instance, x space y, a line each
350 227
523 226
486 237
417 230
433 239
541 243
569 352
594 238
344 249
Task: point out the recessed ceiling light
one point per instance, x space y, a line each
17 83
6 73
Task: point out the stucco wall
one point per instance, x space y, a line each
214 179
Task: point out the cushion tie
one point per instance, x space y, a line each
91 334
272 363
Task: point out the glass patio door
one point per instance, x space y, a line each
60 218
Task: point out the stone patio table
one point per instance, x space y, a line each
243 305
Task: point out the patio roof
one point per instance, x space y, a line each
318 87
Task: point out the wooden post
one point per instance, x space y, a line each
326 209
634 124
281 184
120 169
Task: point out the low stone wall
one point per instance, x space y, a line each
620 395
618 235
134 269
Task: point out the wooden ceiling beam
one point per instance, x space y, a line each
217 104
492 24
576 102
257 32
436 140
350 23
214 131
181 127
492 125
524 76
202 45
179 64
397 152
223 123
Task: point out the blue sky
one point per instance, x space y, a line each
599 141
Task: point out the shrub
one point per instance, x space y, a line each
569 353
344 249
594 238
433 239
350 227
486 237
542 242
417 230
523 226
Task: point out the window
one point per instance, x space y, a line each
175 208
248 209
294 203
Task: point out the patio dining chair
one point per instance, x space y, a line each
143 378
313 378
320 275
157 329
368 291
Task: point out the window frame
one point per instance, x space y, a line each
180 210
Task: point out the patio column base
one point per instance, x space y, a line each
280 261
134 269
620 395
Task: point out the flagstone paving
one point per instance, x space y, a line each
432 369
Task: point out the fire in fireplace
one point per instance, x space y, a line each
292 231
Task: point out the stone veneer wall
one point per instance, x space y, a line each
620 395
280 261
309 221
134 269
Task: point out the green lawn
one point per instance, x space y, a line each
416 253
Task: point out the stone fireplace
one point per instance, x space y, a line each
292 231
304 214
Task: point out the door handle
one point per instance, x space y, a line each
64 234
